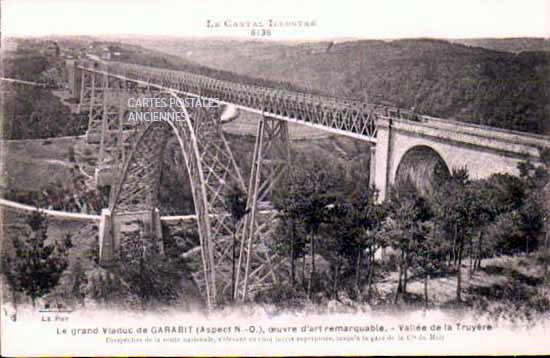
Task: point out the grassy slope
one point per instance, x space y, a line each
32 165
34 112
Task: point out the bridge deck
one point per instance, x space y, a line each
343 117
338 116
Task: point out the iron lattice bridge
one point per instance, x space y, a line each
340 116
130 158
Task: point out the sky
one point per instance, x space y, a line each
342 18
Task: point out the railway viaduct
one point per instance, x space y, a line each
405 145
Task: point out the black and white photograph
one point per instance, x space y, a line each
274 178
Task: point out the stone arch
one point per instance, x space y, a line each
424 167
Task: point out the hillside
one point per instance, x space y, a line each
435 77
137 54
514 44
29 112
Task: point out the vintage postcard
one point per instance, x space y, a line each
223 178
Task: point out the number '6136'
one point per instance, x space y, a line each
260 32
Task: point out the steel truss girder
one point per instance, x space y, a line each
345 116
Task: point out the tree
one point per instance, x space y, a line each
349 230
313 215
290 239
370 216
355 226
312 205
546 196
457 209
36 267
545 157
408 211
235 200
10 273
429 255
314 188
536 211
79 283
497 196
342 241
149 275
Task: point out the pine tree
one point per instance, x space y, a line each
37 266
342 241
408 211
317 191
150 277
457 209
79 283
290 238
428 256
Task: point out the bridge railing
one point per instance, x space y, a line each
61 215
508 135
332 113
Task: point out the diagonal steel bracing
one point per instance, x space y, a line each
211 168
85 92
134 150
97 107
116 128
271 163
347 117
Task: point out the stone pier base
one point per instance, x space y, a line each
93 137
120 229
106 239
103 176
